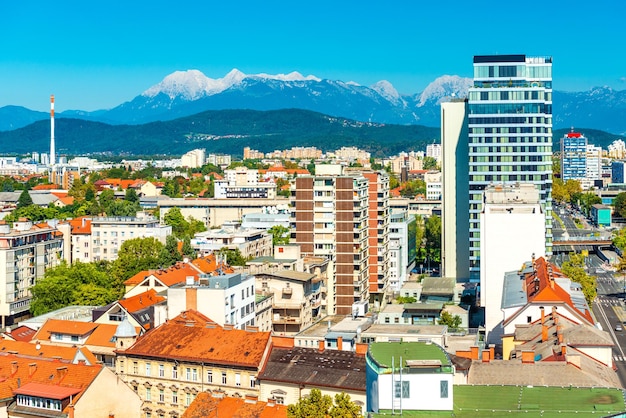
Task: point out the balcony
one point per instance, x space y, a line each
287 291
286 320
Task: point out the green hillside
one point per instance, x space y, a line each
224 131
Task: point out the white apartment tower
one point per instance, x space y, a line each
510 135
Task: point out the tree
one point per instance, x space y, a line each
181 227
405 299
432 233
131 195
123 208
452 321
136 255
619 203
24 199
574 268
280 235
619 239
430 163
233 257
317 405
76 284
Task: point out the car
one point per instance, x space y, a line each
618 327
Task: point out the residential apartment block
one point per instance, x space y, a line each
26 251
331 220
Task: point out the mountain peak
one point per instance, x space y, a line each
445 86
387 90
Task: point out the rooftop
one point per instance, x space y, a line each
385 353
343 370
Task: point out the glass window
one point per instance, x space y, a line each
148 394
175 372
174 397
148 369
161 370
223 378
443 389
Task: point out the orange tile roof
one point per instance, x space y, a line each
34 350
45 187
43 390
549 290
141 301
80 225
192 336
124 184
17 372
208 264
169 277
63 327
67 200
232 407
102 336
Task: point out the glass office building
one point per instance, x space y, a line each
510 134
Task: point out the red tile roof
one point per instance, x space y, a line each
232 407
124 184
17 373
46 391
208 265
22 333
61 326
141 301
192 336
45 187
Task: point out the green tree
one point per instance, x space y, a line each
619 239
233 256
123 208
171 254
280 235
136 255
452 321
131 196
315 405
430 163
105 199
574 268
182 227
432 234
344 407
405 299
187 249
619 203
24 199
78 284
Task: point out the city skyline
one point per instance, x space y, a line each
99 56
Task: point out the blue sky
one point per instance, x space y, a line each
97 55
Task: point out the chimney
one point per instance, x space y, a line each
340 343
528 357
543 315
544 333
70 411
61 372
492 351
474 352
485 356
563 349
321 346
32 368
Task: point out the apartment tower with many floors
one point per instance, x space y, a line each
510 135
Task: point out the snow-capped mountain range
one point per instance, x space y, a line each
185 93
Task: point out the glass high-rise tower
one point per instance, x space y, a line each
510 135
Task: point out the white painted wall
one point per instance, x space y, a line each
424 392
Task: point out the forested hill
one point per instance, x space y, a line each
223 131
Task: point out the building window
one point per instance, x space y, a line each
161 395
175 397
148 369
175 372
135 367
237 379
529 319
401 389
252 381
187 399
223 378
443 389
148 414
386 320
194 375
280 400
209 376
161 370
148 394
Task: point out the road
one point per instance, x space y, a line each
608 307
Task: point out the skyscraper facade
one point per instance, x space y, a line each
510 134
573 156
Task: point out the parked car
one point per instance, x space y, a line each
618 327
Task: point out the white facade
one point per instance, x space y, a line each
434 151
399 249
434 186
251 242
593 166
227 299
193 159
455 174
26 252
109 233
512 229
